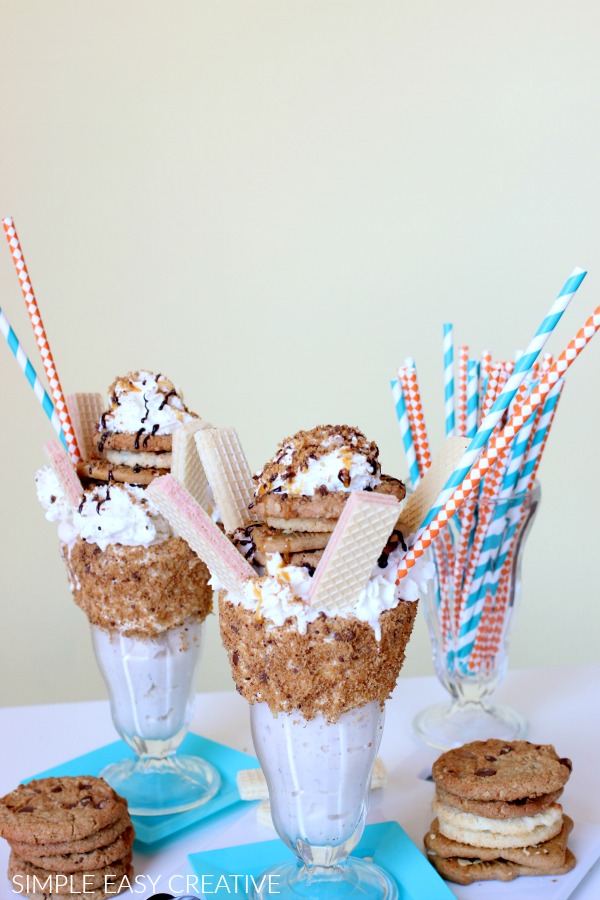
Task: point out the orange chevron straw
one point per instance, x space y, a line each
42 341
463 359
407 375
414 409
495 383
486 363
497 443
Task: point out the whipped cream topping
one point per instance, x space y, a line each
325 459
108 514
143 401
325 472
283 592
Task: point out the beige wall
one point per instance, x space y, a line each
274 203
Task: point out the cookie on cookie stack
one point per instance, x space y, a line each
67 836
497 815
134 436
301 492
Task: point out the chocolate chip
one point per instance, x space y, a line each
491 758
235 658
263 676
485 773
101 804
85 801
566 762
25 809
57 789
505 749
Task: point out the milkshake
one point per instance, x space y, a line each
317 674
144 591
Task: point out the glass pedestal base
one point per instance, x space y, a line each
448 725
160 787
355 879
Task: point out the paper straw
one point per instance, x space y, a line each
509 390
449 380
472 397
498 442
405 432
540 437
31 376
463 361
486 363
42 340
414 408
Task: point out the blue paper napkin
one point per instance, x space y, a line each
386 843
151 829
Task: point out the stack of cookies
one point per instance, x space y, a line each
67 836
300 493
133 440
496 812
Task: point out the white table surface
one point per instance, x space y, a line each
561 705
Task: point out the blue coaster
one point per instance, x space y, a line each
150 829
386 843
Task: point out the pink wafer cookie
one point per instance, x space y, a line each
353 549
64 471
196 527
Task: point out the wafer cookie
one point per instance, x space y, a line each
263 815
228 474
252 784
85 411
186 465
353 549
64 471
195 526
420 502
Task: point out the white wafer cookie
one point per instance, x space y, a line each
420 502
85 411
228 474
252 784
186 465
64 471
263 815
205 538
360 535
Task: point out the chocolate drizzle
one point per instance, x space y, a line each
166 400
150 434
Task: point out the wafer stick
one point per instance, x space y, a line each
186 465
85 411
228 474
192 523
354 547
64 471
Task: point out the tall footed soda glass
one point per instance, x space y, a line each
318 774
470 616
146 607
151 683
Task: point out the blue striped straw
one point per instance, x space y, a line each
405 431
31 376
522 367
449 380
472 397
